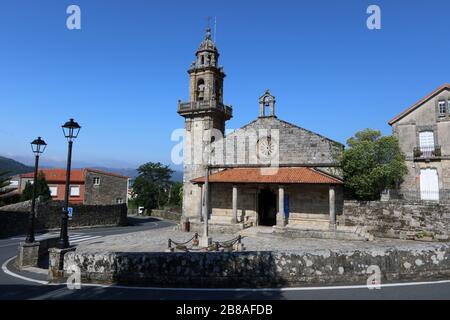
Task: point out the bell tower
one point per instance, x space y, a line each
205 115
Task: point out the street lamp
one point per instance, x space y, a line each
70 130
38 146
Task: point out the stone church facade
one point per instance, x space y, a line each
268 173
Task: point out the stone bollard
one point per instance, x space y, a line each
56 263
28 255
195 241
185 225
239 246
169 246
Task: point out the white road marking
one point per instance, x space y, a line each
75 237
12 274
83 239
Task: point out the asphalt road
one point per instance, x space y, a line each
19 289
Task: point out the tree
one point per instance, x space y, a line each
151 187
4 183
176 194
371 164
42 189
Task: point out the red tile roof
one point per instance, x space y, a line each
419 103
283 175
76 175
58 175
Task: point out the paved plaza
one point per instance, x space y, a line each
156 241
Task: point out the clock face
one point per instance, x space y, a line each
266 147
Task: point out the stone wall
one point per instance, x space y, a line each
166 214
261 269
48 217
399 219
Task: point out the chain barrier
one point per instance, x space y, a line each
215 246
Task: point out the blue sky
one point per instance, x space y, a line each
121 75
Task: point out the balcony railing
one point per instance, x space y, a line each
427 152
204 105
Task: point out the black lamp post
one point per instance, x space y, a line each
38 146
71 130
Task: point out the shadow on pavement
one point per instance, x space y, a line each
44 292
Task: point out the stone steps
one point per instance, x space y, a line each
341 232
311 223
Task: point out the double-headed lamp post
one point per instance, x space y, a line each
70 130
38 146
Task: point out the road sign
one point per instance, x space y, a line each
69 212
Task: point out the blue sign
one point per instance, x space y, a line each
69 212
286 206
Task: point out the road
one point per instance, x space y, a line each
12 287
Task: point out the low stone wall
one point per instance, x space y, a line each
48 217
166 214
13 223
400 219
261 269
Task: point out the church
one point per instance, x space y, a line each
268 173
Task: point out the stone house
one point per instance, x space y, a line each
423 131
87 186
269 172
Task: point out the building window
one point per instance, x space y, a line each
442 108
53 191
74 191
119 200
426 143
96 181
448 109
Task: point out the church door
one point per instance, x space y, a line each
267 208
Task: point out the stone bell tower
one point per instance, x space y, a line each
203 113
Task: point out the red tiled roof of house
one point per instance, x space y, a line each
59 175
419 103
285 175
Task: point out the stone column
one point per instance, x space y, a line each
280 215
234 205
206 240
332 197
200 205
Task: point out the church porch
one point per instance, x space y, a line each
290 197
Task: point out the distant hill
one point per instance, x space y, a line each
16 167
177 176
13 167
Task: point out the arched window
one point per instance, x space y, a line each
200 90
